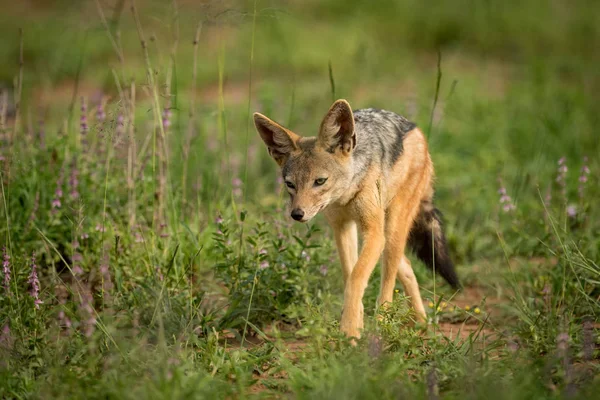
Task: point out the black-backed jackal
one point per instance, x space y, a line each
367 169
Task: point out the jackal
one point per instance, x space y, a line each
367 169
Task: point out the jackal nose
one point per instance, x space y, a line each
297 214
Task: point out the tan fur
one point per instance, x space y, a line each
382 205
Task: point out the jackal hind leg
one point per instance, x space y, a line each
407 277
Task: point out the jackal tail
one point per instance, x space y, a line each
428 242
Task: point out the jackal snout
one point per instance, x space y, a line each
297 214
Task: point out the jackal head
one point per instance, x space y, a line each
316 170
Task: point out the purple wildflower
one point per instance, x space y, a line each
323 270
58 193
5 337
264 265
583 177
6 270
100 228
548 197
561 176
138 237
120 130
63 320
305 255
100 114
35 283
572 211
77 259
166 118
237 187
219 219
159 273
163 231
506 200
83 124
87 311
74 181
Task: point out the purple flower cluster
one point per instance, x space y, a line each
63 320
159 273
138 236
561 176
237 187
264 263
58 193
163 231
87 311
506 200
35 283
74 181
100 113
6 339
166 118
6 270
305 255
323 269
83 123
583 177
120 130
77 259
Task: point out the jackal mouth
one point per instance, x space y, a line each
305 220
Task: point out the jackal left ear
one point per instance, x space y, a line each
337 129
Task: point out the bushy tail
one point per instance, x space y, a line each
428 242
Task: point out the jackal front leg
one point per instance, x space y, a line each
374 241
346 239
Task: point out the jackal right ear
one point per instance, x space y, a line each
337 129
280 141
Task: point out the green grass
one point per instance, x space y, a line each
171 270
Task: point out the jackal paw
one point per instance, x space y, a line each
351 325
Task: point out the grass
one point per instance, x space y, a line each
167 265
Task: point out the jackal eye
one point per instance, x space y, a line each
289 184
320 181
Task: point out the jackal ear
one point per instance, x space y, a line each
337 129
279 140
